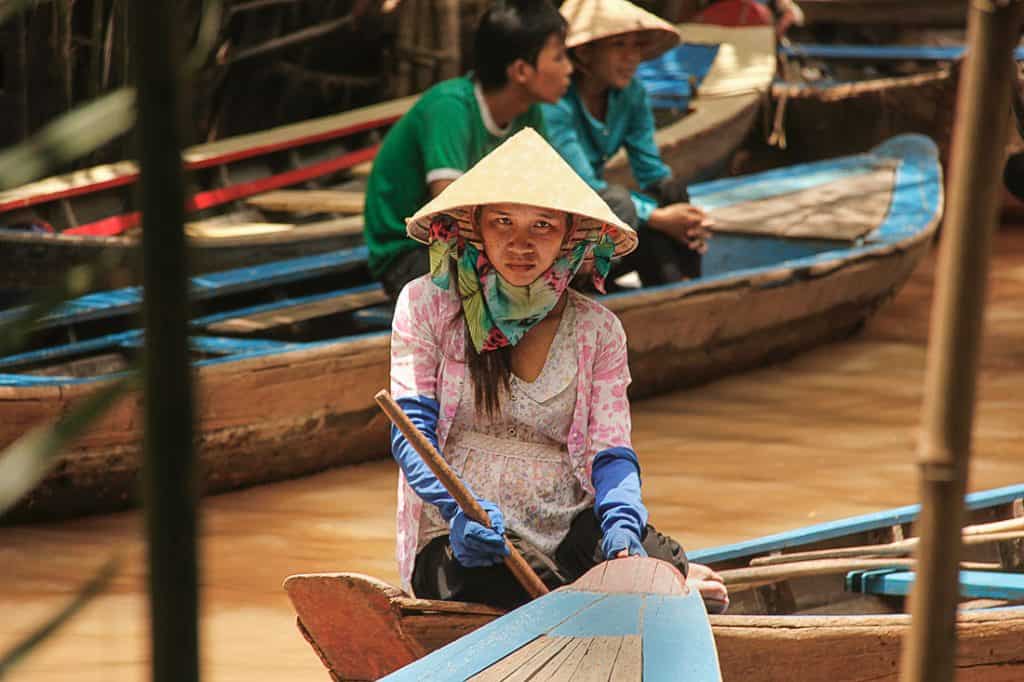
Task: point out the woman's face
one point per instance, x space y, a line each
613 61
522 242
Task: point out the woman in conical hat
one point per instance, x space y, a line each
521 383
606 109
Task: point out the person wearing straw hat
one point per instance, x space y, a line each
520 382
606 109
520 61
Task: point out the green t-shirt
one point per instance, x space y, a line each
443 134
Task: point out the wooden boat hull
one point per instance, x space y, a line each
885 12
824 122
273 414
758 645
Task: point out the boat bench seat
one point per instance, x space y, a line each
973 584
309 201
265 316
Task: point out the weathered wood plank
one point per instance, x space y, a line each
523 663
261 322
309 201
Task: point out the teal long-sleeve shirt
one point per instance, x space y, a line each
587 143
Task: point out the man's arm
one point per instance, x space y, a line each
437 186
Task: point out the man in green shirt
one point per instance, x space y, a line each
520 62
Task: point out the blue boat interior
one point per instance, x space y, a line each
674 78
93 337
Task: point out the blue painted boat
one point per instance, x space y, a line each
624 620
802 256
790 617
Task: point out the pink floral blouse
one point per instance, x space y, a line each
427 358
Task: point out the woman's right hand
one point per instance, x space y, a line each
685 223
474 544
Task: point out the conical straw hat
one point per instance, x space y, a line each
591 20
524 170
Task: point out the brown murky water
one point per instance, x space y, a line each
829 434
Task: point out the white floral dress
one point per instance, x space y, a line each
520 461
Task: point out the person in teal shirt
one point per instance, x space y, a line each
607 109
521 60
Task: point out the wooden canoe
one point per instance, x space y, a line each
91 210
777 629
846 111
803 255
626 620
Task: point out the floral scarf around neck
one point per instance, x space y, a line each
498 313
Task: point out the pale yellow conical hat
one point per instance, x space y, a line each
524 170
591 20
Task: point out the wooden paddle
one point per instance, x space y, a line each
450 480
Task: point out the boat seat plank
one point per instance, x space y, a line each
973 584
310 201
126 339
209 285
361 170
600 660
280 316
218 345
375 317
292 309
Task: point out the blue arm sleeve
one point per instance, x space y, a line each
423 412
617 502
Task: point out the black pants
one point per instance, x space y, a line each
438 575
658 258
407 267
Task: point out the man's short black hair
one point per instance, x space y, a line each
511 30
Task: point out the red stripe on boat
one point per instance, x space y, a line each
115 225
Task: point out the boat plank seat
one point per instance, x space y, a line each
361 170
310 201
349 226
290 311
202 287
973 584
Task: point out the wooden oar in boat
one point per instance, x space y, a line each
450 480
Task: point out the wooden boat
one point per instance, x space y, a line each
815 623
845 111
50 225
803 255
885 12
623 620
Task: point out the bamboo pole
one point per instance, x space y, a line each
169 476
450 480
979 138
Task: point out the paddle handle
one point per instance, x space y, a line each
526 576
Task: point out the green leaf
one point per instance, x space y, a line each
86 593
24 463
68 137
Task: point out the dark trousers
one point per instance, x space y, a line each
658 258
438 575
407 267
